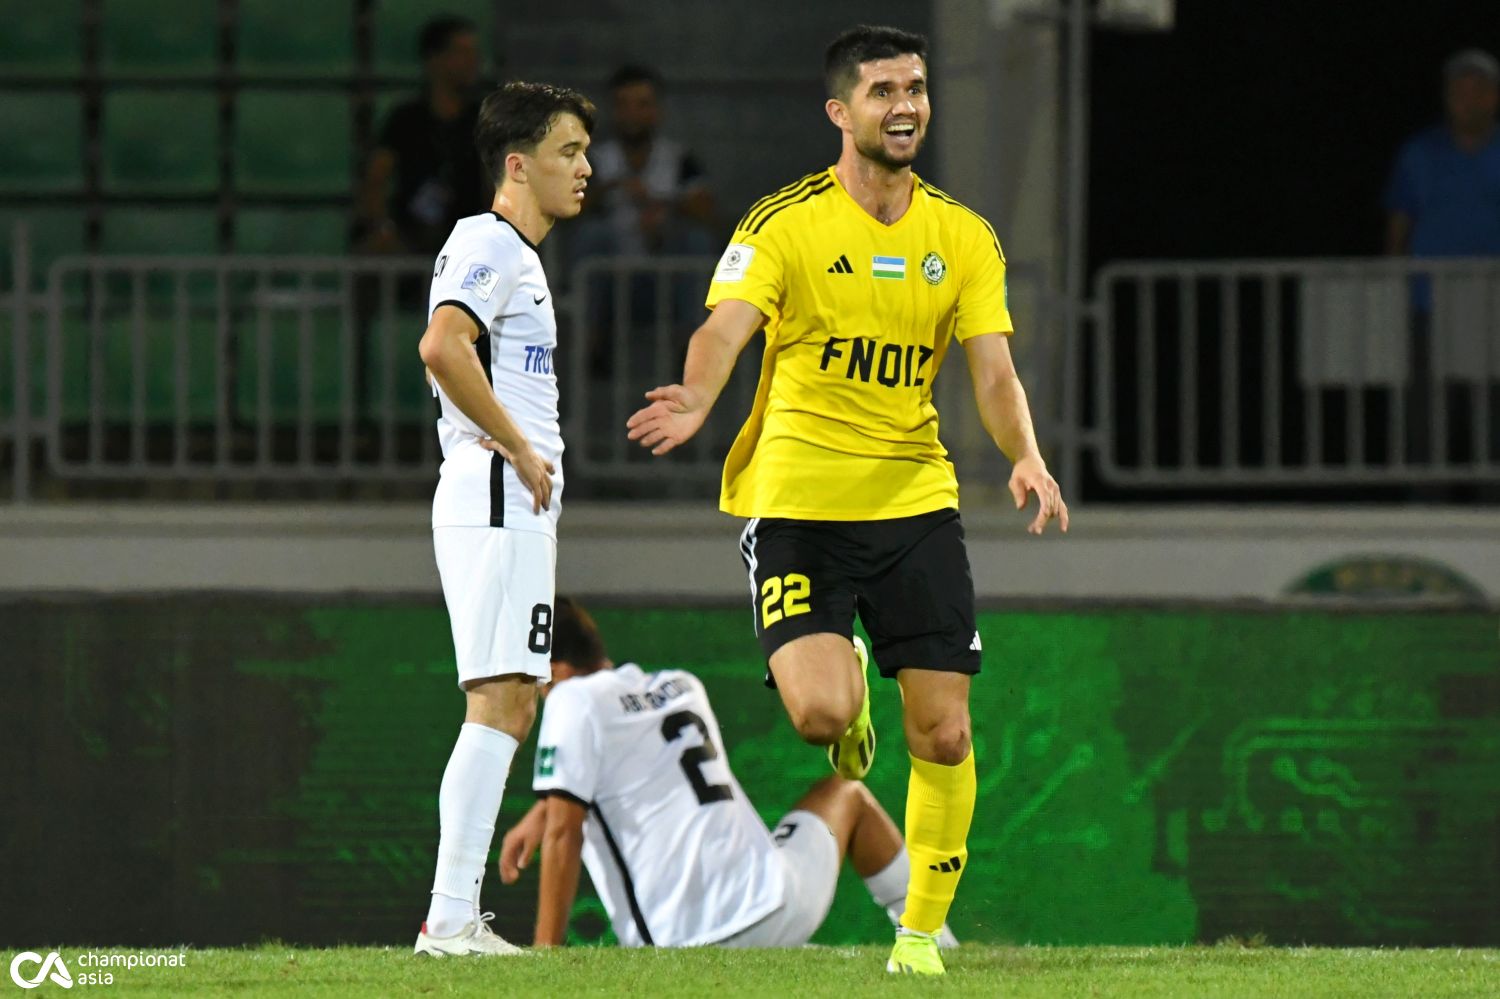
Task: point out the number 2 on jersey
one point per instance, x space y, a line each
790 591
694 757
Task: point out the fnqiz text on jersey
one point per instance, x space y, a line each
539 360
653 698
866 358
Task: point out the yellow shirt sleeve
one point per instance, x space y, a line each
983 299
752 269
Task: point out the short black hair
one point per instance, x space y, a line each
865 43
575 637
634 72
438 32
518 116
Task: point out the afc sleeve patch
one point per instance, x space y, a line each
734 262
482 278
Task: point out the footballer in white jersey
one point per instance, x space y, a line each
493 273
634 780
489 349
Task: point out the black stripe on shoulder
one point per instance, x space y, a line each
481 324
557 792
950 199
789 191
811 192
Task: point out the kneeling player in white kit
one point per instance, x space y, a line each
633 778
489 346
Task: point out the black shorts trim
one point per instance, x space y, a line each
497 489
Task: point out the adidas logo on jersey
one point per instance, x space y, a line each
841 266
950 866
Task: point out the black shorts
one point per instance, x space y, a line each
908 578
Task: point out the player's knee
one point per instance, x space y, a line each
507 704
946 742
818 724
950 744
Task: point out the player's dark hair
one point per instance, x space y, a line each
575 636
865 43
632 73
439 31
518 116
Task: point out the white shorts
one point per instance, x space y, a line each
498 584
810 870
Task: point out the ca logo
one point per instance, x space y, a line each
59 977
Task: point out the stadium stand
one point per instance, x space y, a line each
285 38
42 39
292 143
159 38
40 152
160 143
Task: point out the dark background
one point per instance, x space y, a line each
1258 129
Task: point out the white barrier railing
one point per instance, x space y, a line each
239 368
1298 372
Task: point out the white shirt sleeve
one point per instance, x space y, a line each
478 274
569 751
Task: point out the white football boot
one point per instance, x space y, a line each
474 938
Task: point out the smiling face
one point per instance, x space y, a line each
886 112
557 171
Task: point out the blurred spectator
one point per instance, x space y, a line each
1444 193
1443 200
648 196
424 174
649 190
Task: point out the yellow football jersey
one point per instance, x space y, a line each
859 317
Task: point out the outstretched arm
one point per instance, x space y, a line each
677 411
1007 419
562 851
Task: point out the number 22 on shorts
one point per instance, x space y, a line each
791 592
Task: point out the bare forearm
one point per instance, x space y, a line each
1006 416
710 361
561 850
458 372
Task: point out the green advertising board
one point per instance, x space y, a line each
223 770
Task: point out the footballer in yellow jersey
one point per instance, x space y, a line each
862 276
859 317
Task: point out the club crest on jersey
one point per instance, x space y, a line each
482 278
893 268
734 262
934 269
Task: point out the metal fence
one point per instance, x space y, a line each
1297 372
1181 375
304 370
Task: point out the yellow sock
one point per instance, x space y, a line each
939 808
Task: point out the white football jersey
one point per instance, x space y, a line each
674 848
489 270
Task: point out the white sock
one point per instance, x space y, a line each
468 804
888 886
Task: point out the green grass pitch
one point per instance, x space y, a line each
835 972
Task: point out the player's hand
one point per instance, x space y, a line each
518 847
1031 476
534 471
674 416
